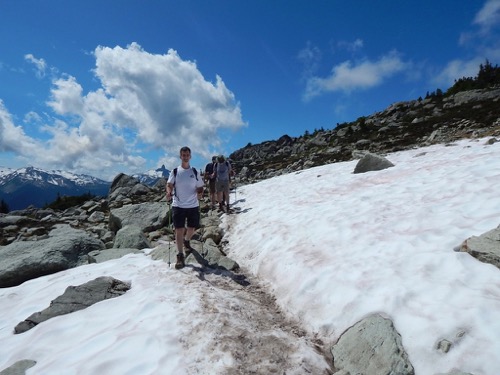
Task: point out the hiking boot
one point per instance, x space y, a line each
221 206
180 261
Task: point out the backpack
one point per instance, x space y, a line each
226 170
209 168
194 171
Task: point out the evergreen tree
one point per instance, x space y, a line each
487 76
4 208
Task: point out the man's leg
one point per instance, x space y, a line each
193 222
179 220
220 199
179 238
212 192
226 189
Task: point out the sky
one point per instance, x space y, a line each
104 87
352 245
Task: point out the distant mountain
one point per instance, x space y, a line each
152 176
23 187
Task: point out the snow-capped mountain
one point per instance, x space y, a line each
23 187
153 175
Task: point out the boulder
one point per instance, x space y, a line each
372 162
131 236
147 216
76 298
19 368
371 346
485 247
64 248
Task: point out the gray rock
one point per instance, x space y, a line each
216 259
372 162
140 189
372 346
65 248
7 220
76 298
100 256
485 247
131 236
147 216
19 368
96 217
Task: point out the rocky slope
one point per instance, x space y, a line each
400 126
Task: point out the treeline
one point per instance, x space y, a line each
61 203
487 76
64 202
4 207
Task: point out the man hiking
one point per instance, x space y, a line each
184 186
222 175
209 176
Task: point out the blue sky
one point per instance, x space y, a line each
102 87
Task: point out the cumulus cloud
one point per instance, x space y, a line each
349 76
146 102
66 96
12 137
165 99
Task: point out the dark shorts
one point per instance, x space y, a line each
222 186
181 215
211 186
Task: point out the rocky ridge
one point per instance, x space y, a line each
401 126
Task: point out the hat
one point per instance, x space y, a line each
214 158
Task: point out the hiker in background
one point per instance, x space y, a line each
222 177
185 187
209 176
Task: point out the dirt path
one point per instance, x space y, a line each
249 330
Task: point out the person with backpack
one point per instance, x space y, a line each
184 188
222 179
209 176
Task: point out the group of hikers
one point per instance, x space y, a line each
185 188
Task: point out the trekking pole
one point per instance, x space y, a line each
169 224
201 227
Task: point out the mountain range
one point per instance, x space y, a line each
23 187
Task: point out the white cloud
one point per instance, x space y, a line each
146 102
12 137
66 96
457 69
40 65
165 99
349 76
489 15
